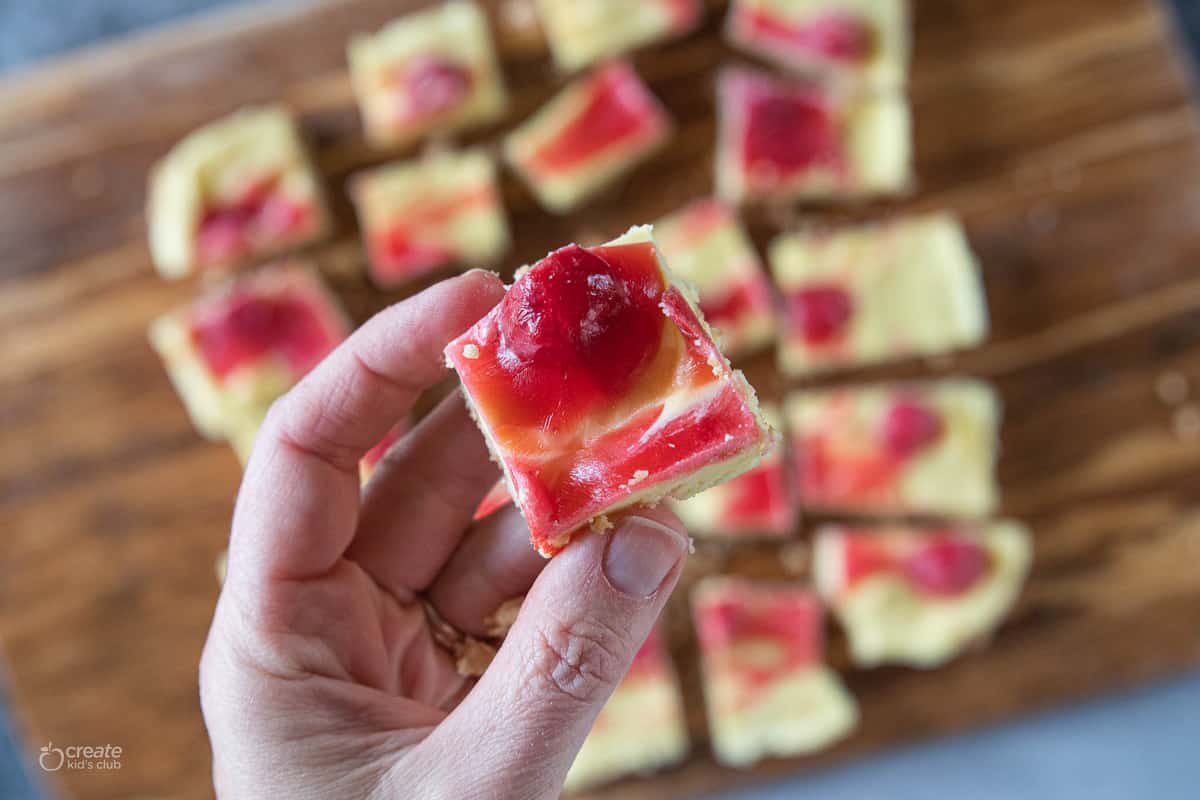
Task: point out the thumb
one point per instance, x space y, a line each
592 607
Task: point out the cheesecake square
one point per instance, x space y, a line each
598 386
920 595
642 727
598 128
878 292
912 448
787 139
761 502
581 32
767 689
425 215
241 345
864 41
706 244
432 71
234 192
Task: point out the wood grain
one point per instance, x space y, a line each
1061 130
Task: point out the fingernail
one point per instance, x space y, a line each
640 554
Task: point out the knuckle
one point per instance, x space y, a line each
581 661
315 426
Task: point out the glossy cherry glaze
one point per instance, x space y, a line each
259 217
788 130
248 327
831 476
618 109
749 297
578 331
433 85
819 314
788 621
836 36
758 501
910 427
941 563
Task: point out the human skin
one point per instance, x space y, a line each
320 677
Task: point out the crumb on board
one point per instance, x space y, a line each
793 556
1172 387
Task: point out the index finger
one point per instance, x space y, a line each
298 506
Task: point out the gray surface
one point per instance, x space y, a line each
16 780
33 30
1144 744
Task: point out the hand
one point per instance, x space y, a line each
320 677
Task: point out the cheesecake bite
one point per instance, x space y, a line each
759 503
865 41
592 132
425 215
598 386
917 448
234 192
432 71
237 348
877 292
920 595
641 728
767 688
804 140
581 32
706 244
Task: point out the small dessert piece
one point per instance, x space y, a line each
642 727
235 191
598 386
420 216
706 244
788 140
920 596
861 40
368 463
431 71
766 686
918 448
592 132
581 32
877 292
235 350
761 502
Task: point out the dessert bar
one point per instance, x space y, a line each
598 386
432 71
767 688
234 192
920 595
592 132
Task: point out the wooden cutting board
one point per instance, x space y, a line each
1062 131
